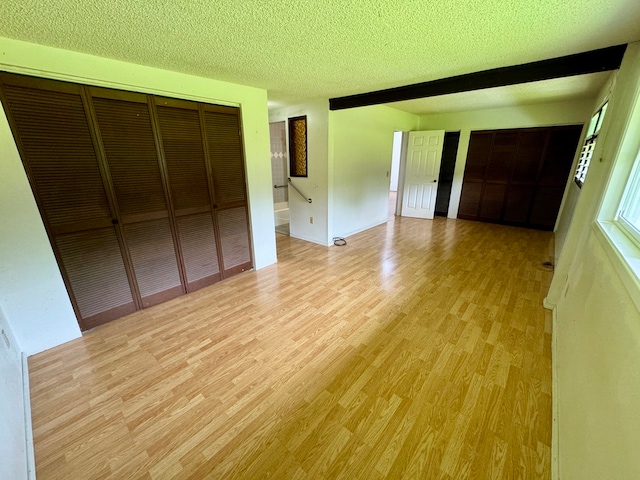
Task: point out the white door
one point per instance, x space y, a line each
424 154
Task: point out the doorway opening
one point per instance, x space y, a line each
442 172
447 168
394 174
279 162
395 180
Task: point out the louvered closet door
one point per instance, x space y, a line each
182 143
125 129
49 123
222 130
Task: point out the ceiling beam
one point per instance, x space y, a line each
594 61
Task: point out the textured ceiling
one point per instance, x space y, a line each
309 49
578 87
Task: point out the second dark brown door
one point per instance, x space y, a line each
517 177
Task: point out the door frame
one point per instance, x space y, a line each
404 163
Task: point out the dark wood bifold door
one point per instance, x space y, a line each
50 125
223 140
518 177
126 136
143 197
186 159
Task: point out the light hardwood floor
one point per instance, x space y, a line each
420 350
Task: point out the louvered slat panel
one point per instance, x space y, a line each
127 136
225 153
128 139
198 244
184 155
153 257
234 237
57 146
186 165
95 270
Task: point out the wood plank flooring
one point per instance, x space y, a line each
418 351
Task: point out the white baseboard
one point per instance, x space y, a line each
359 230
28 428
555 430
310 240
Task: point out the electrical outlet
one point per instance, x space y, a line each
311 220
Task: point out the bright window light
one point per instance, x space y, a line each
589 146
629 213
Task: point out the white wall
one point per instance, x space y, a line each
361 150
395 161
316 184
572 192
525 116
15 463
596 366
30 287
32 294
597 328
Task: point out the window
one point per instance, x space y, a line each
298 146
618 220
628 217
618 228
589 146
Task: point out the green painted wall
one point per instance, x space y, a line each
361 147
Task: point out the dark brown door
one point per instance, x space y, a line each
49 123
124 127
184 154
517 177
447 171
552 178
474 173
224 145
143 198
524 175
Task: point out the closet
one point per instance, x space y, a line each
143 197
518 176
